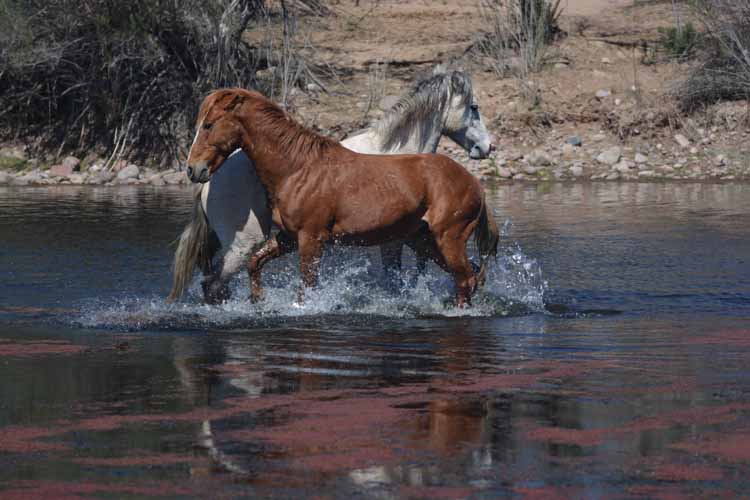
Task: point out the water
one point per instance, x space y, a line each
607 357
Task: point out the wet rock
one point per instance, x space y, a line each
175 178
623 167
640 158
504 173
72 162
77 179
156 180
129 172
603 94
60 170
34 177
100 178
610 157
576 171
682 140
530 170
645 174
613 176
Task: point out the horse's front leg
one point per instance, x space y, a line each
310 252
276 246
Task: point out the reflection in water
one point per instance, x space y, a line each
209 402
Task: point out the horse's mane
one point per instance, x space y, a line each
425 101
295 142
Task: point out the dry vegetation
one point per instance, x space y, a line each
124 79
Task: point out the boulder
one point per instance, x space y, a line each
129 172
72 162
504 173
539 158
610 157
175 177
60 170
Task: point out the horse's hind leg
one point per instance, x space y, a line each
452 248
310 253
274 247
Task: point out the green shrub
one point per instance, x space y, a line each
679 41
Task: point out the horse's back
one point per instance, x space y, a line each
235 201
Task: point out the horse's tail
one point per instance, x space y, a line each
195 248
486 237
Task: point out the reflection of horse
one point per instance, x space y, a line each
321 191
233 206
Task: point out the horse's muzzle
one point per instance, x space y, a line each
198 174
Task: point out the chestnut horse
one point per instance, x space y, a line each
320 191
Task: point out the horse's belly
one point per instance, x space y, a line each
362 233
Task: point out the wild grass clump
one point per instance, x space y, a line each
723 70
519 32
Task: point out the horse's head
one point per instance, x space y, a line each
464 123
218 133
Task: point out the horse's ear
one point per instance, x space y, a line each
236 101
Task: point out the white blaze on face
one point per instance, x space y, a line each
195 139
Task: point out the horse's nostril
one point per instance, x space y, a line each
492 148
189 171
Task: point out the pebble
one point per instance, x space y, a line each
640 158
574 141
603 94
682 140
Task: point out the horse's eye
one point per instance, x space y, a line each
475 106
207 126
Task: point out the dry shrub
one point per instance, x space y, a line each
123 77
724 70
519 29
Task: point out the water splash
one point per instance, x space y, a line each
352 287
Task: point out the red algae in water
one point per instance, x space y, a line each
63 490
38 348
143 459
687 472
730 447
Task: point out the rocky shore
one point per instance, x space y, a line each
572 161
22 171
